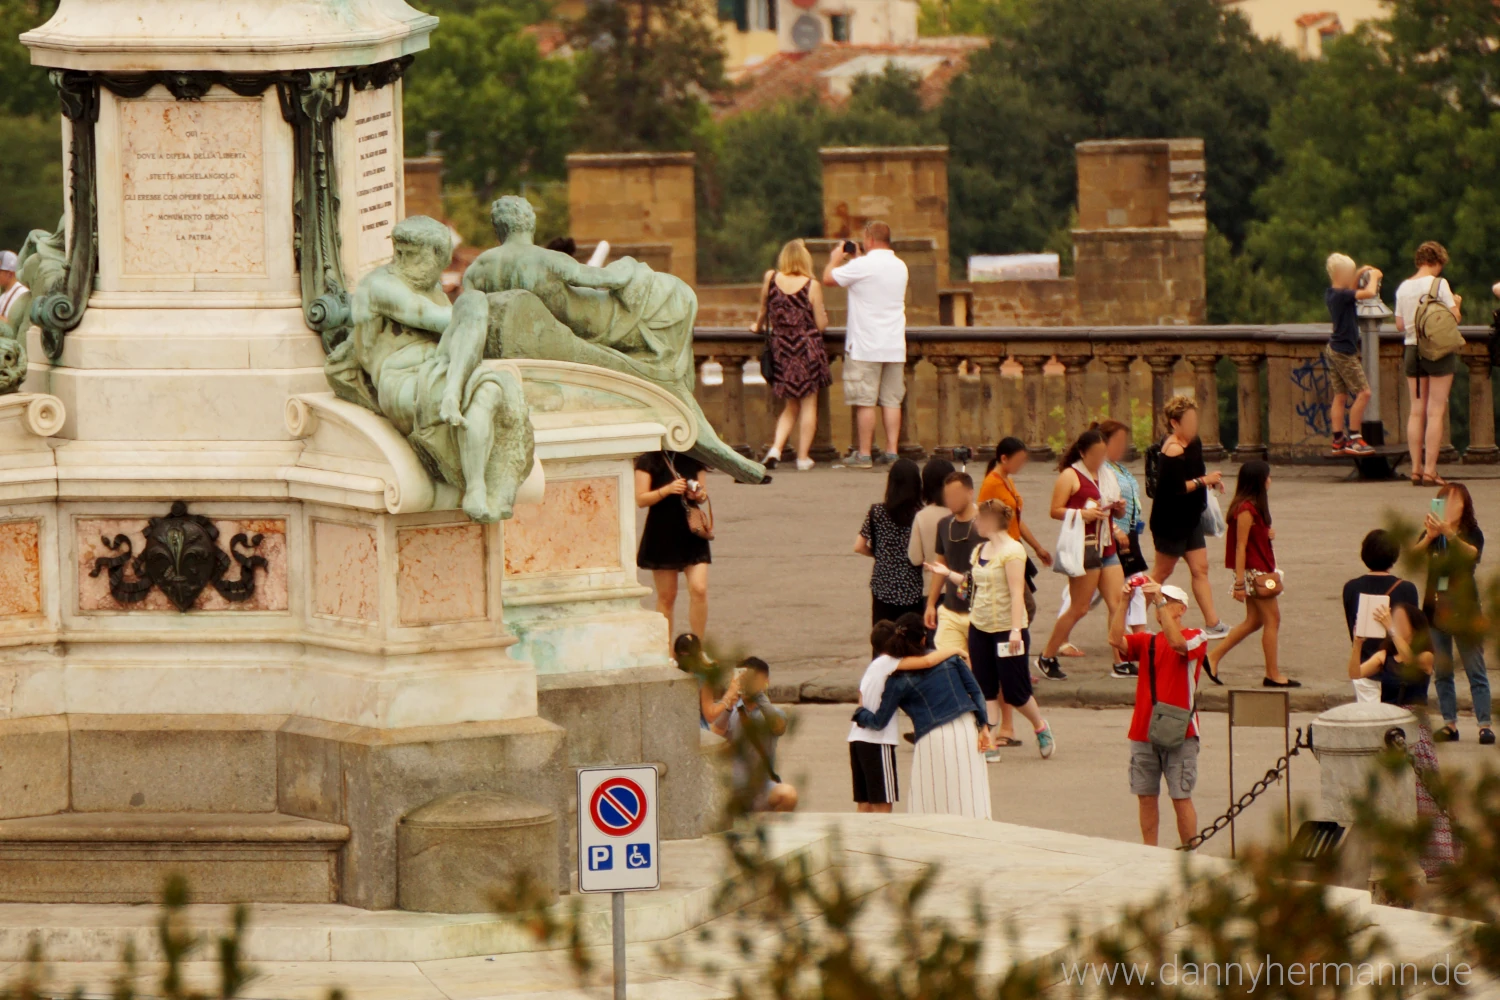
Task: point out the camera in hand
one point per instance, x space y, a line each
850 247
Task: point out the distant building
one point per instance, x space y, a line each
1304 25
755 30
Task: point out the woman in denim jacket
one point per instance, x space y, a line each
948 770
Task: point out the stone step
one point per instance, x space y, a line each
115 857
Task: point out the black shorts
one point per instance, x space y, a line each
874 767
1180 547
1007 677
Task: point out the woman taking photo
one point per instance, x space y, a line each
947 713
793 319
1257 584
1402 667
1182 487
999 637
1085 485
1454 544
895 584
667 483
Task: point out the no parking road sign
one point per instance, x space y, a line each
617 842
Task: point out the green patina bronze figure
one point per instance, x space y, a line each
414 358
625 317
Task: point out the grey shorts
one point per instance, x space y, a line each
1346 376
874 383
1149 764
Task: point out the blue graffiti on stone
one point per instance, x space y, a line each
1312 378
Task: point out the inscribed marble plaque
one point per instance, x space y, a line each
375 172
192 187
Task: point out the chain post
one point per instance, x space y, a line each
1272 776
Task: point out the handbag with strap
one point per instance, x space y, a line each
1132 560
1263 585
700 513
1169 723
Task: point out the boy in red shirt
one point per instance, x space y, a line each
1178 658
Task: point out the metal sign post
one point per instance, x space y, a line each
1260 710
618 848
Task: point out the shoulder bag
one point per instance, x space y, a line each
1263 585
700 514
1169 723
767 359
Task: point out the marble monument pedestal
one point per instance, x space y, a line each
389 656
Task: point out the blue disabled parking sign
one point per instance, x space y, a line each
618 850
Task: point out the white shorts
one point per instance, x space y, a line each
1135 614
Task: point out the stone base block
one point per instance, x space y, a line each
167 763
455 853
125 857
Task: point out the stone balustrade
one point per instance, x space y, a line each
973 385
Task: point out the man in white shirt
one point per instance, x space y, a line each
874 338
11 289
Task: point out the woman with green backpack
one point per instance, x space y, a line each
1427 312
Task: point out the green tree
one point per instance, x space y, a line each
30 137
1093 69
27 90
504 111
1390 141
645 68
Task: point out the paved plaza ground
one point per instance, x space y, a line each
786 584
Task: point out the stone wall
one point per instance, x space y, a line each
424 186
728 305
636 198
903 186
1141 277
1031 302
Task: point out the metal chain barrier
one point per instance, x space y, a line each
1271 777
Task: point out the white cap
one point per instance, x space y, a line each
8 260
1172 593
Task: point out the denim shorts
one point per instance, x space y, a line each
1113 559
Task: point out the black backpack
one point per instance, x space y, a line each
1153 469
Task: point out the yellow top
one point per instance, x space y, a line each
990 606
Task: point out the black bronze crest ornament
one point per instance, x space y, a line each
182 557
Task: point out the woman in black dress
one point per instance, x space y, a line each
895 584
793 319
665 484
1181 497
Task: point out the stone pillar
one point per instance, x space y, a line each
1482 450
1033 385
636 198
822 446
992 406
1251 446
1118 367
733 426
910 446
1448 453
947 405
1161 390
1206 389
1075 406
905 187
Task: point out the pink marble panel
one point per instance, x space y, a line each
575 527
441 574
346 571
20 568
270 583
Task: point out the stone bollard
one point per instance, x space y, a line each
1348 741
455 851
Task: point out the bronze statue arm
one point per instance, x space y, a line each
394 300
614 275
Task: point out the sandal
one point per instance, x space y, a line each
1008 741
1068 649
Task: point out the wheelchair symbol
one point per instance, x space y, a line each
638 856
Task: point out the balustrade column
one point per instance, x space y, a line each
1118 367
1206 391
1448 453
822 447
1161 391
910 446
1033 387
699 389
947 405
733 429
1075 405
1481 450
991 407
1251 445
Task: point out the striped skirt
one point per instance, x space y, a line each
948 773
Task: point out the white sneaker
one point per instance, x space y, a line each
1218 631
772 457
804 464
992 757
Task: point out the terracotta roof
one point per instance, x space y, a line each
1317 18
826 72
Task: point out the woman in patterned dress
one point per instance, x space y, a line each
793 319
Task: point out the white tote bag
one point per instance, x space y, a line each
1214 524
1068 559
